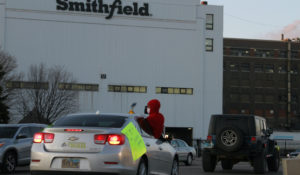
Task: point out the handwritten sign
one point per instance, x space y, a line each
136 141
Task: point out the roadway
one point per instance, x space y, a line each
243 168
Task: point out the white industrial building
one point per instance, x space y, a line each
128 51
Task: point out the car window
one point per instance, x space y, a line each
92 121
181 143
240 122
8 132
36 129
174 143
26 131
258 128
262 125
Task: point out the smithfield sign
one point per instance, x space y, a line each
98 6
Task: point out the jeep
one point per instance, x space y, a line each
235 138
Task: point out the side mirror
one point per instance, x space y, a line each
21 136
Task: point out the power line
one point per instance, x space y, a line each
253 22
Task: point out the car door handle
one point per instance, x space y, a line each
148 144
160 148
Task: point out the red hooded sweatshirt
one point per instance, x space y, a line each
155 119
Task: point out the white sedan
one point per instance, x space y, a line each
94 143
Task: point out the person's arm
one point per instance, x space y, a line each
145 125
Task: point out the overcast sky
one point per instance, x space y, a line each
260 19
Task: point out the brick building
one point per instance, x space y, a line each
262 77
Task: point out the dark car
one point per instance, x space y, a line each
235 138
15 144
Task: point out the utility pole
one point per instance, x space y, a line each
289 55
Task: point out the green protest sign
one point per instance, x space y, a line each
136 141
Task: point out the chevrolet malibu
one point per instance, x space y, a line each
94 143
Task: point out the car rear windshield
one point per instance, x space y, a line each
8 132
242 123
91 121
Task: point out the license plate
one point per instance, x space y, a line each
80 145
70 163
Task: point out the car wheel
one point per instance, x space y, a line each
175 167
229 139
260 163
9 162
189 160
143 169
208 162
227 164
273 162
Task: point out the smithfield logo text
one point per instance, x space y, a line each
98 6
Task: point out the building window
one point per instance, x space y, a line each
78 87
209 21
258 68
26 85
282 98
258 98
269 68
295 98
126 88
282 69
234 97
295 54
209 44
294 70
245 67
245 98
269 98
174 90
283 54
233 67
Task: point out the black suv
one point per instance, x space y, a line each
235 138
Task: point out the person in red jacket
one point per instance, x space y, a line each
154 123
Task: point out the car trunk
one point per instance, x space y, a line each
75 140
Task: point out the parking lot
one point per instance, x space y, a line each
243 168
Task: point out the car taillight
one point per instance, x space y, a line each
38 137
116 139
100 138
209 138
43 137
112 139
253 139
48 137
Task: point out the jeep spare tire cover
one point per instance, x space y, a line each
229 139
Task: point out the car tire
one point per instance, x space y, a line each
9 162
229 139
189 160
143 168
209 162
227 164
175 167
260 163
274 161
